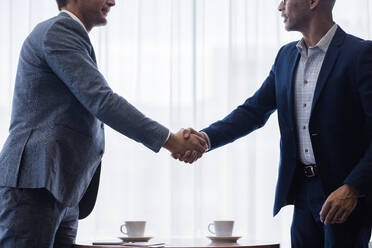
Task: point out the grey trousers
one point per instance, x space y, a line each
33 218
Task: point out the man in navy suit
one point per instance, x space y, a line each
50 162
321 87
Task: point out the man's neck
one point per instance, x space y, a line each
316 30
77 13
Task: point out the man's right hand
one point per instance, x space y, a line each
191 156
194 145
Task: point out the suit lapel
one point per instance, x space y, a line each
294 58
330 60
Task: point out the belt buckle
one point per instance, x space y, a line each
309 171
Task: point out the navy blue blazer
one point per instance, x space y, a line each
61 100
340 124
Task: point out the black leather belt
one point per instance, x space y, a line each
310 170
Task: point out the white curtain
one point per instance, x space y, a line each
184 63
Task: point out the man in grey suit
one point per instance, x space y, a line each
50 163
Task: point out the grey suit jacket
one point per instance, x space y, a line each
61 100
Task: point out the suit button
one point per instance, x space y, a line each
102 125
101 153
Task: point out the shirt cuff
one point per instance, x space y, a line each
208 141
169 133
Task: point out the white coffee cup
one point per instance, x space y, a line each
133 228
222 228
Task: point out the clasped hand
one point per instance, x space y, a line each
187 145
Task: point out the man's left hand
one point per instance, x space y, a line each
339 205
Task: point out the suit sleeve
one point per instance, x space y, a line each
67 54
249 116
361 176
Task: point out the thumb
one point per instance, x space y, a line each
186 133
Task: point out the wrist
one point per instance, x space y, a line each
352 190
169 144
206 138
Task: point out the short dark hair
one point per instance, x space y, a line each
61 3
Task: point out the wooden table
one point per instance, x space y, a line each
201 243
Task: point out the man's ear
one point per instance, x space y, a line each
314 4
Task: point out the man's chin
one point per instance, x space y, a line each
101 22
288 27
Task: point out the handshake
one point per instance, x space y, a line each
187 145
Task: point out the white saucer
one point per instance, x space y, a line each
228 239
135 239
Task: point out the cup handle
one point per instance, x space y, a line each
210 229
121 229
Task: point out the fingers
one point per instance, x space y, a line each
193 157
336 215
191 133
190 145
197 143
186 133
176 155
330 218
202 142
338 206
324 211
188 157
339 216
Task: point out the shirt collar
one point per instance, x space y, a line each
324 43
74 17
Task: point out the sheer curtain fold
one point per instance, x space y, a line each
183 63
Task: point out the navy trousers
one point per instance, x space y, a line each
33 218
307 231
